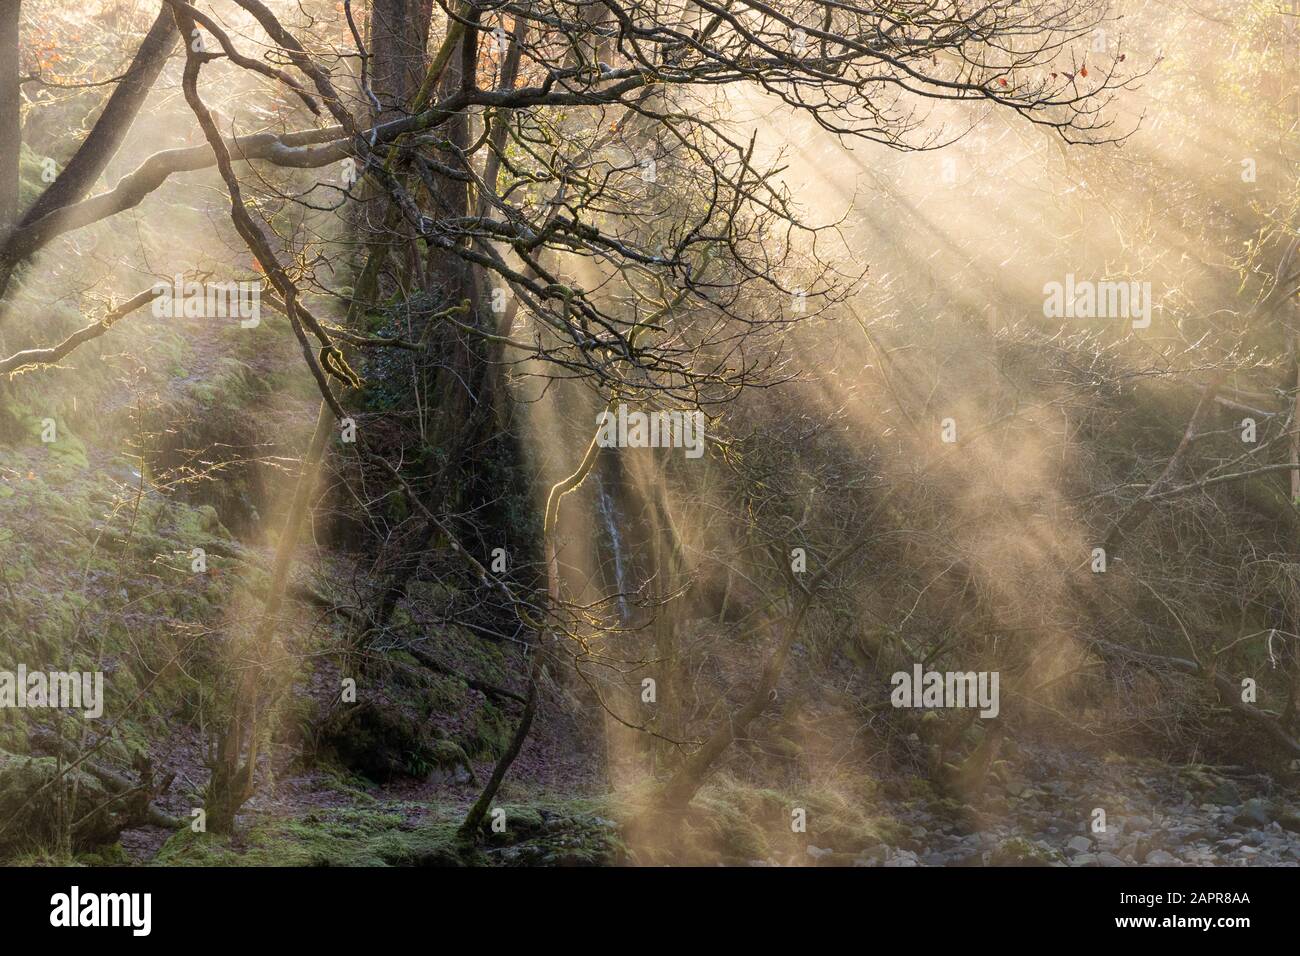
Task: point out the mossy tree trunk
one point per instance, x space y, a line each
11 129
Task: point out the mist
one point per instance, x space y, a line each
559 434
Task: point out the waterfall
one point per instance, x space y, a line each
610 518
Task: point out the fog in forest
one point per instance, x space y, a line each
575 433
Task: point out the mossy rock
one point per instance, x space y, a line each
29 815
383 742
374 740
557 834
1018 851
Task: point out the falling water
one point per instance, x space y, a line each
609 517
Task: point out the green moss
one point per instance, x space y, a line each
491 732
66 448
550 834
64 531
31 822
111 854
31 176
519 821
1018 851
382 740
340 837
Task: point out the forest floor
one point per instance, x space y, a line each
1040 809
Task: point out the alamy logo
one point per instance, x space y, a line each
923 688
213 300
59 690
661 429
1098 300
103 909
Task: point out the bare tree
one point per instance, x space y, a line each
582 170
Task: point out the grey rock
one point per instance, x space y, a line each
876 853
1080 844
1161 858
1254 811
1224 792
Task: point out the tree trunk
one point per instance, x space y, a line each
11 126
399 44
106 136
